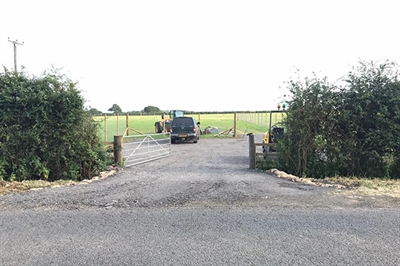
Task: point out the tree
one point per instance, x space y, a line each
116 109
94 112
151 109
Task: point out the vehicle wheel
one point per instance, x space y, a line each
172 140
195 140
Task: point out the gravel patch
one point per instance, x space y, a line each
213 172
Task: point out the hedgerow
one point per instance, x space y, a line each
347 130
45 132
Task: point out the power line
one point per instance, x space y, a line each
15 43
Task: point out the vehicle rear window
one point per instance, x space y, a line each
182 121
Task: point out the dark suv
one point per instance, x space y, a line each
184 128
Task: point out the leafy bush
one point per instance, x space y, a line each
267 164
45 133
352 130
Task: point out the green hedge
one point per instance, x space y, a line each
351 129
45 133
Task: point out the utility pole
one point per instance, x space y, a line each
15 52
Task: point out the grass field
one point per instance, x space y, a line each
256 123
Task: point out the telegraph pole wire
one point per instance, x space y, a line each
15 43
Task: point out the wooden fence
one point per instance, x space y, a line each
254 152
125 125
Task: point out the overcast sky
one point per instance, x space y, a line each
196 55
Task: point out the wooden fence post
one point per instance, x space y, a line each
270 120
118 150
105 127
127 124
117 124
234 125
252 153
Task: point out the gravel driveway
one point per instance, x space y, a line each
200 206
213 172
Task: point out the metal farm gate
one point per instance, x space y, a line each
139 149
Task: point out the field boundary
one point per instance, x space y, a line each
231 124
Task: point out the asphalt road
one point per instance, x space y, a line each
200 206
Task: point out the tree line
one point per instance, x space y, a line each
116 110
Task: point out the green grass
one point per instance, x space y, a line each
246 123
